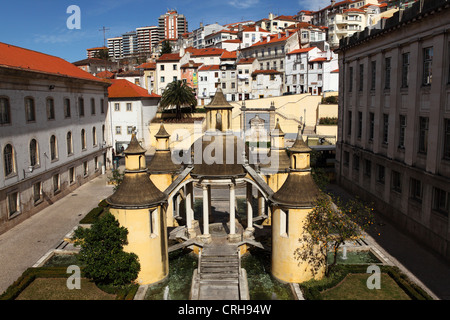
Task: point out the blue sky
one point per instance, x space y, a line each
41 25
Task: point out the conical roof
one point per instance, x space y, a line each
277 130
162 162
299 145
298 191
134 147
219 101
162 133
136 191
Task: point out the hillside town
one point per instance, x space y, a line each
356 94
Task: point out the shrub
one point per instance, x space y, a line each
328 121
92 215
102 252
330 100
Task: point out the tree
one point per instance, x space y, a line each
103 255
102 54
166 47
178 93
328 226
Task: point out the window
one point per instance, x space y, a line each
13 203
385 128
427 64
373 74
71 175
355 162
85 168
33 152
380 174
66 108
8 157
446 138
402 127
284 223
37 192
83 139
30 110
69 143
361 77
174 79
116 106
350 79
349 123
367 168
440 201
53 148
92 106
423 134
118 130
224 85
102 106
371 125
396 181
95 163
55 183
161 67
5 111
387 73
130 130
346 158
163 79
415 189
94 136
129 107
50 109
405 70
81 107
360 117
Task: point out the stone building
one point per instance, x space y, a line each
394 120
52 131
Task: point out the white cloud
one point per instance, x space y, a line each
243 4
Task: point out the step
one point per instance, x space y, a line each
217 277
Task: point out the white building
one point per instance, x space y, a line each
198 35
52 127
266 83
208 81
168 69
129 106
311 70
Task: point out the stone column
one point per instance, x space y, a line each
261 204
189 210
205 210
232 210
248 233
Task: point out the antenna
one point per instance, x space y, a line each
104 35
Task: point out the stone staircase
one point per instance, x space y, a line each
219 275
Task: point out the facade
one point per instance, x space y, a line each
266 83
198 35
172 25
168 69
245 68
214 40
130 44
149 74
147 38
208 82
136 77
95 65
130 109
394 120
52 131
276 24
92 52
115 48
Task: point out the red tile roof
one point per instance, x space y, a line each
169 57
228 55
318 60
205 52
105 74
209 67
286 18
273 39
335 71
24 59
147 66
122 88
302 50
246 61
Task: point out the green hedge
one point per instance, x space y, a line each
14 290
95 213
312 289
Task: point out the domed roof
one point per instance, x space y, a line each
298 191
162 133
219 101
162 162
219 156
136 191
134 147
299 145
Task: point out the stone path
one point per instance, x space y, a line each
219 276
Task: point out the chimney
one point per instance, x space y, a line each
240 28
257 28
201 24
333 2
268 38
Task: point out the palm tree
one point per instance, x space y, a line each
178 93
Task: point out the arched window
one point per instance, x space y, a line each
8 156
103 133
83 139
30 110
69 143
53 148
94 136
67 108
33 152
5 111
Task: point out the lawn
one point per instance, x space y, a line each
354 287
56 289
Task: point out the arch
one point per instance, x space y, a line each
178 188
94 136
30 109
34 152
53 148
9 164
83 139
263 192
50 105
69 143
5 110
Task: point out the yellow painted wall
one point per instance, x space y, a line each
150 248
285 266
162 181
